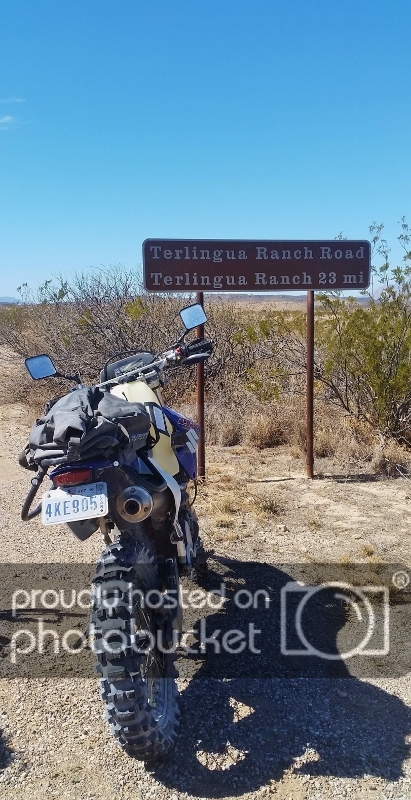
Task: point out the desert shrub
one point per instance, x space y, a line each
392 459
97 314
360 431
365 359
362 353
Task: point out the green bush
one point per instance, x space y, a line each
362 351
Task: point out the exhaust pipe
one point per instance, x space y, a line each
134 504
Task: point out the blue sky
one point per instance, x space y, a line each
122 120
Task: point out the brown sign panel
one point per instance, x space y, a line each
214 265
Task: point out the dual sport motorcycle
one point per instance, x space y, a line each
122 462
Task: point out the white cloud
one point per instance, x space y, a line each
6 121
7 100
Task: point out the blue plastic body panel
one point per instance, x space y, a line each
186 459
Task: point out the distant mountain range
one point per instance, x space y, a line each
260 297
238 297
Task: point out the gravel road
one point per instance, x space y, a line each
252 732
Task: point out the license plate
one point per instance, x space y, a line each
74 503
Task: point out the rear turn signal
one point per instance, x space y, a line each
73 477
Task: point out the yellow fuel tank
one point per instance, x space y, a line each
139 392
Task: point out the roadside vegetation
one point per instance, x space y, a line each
255 379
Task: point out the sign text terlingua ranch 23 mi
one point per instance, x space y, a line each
212 265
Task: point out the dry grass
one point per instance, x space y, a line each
264 505
392 460
224 521
224 537
263 431
230 504
361 431
230 434
367 551
232 536
313 521
326 442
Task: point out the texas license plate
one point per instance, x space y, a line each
74 503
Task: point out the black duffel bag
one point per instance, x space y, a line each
87 423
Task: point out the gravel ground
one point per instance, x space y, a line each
251 734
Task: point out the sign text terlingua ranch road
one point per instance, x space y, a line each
211 265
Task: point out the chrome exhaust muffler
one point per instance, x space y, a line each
134 504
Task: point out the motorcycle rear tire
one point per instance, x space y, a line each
138 688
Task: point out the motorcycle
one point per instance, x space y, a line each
128 472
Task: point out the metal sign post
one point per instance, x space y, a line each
264 266
200 401
310 384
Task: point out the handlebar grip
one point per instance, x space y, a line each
199 346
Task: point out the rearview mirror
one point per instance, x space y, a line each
40 367
192 316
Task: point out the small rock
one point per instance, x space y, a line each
282 528
341 693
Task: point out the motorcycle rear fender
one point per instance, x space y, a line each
117 480
84 528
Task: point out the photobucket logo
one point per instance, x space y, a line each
370 619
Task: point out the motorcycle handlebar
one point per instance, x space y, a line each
199 346
178 353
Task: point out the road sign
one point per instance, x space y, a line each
214 265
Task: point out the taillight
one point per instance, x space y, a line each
72 477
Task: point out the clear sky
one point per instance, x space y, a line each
122 120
